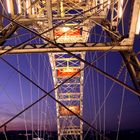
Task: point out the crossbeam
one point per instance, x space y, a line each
78 47
133 66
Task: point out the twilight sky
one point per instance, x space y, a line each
16 93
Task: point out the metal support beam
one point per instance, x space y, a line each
133 65
114 14
50 19
77 47
70 93
1 23
7 32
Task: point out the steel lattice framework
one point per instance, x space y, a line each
70 93
67 23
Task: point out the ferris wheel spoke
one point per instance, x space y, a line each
64 29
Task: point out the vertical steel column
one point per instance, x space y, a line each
71 94
115 14
50 18
133 65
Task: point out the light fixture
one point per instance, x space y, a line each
19 6
8 6
108 4
138 24
27 6
120 9
65 29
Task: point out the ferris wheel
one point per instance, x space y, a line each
66 30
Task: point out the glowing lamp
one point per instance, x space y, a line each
108 3
64 112
67 72
8 6
65 29
33 10
27 6
19 6
120 9
138 24
68 69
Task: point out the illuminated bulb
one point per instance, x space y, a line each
19 6
138 24
120 8
27 6
68 70
33 10
108 3
8 6
43 2
65 29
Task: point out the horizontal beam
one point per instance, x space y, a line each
78 47
70 99
33 18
